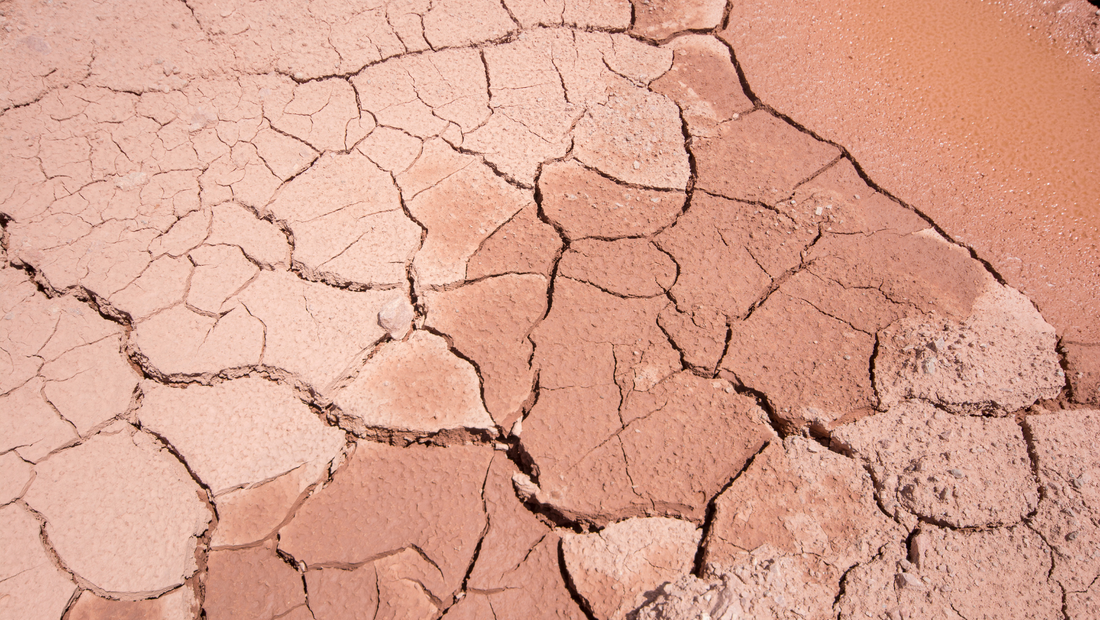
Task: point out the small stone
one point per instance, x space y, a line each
905 580
929 366
918 551
396 317
416 385
957 473
131 527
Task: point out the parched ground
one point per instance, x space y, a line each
482 309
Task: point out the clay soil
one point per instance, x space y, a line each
520 309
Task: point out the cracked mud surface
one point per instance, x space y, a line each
519 309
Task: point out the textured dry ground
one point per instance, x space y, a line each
477 309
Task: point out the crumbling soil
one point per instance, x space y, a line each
530 309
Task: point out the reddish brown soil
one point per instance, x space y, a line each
539 309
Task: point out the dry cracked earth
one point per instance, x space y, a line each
482 309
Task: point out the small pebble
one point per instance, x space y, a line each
905 580
929 366
957 473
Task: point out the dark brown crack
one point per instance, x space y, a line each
471 361
712 508
842 584
480 541
846 154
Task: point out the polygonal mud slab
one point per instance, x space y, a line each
944 468
726 256
31 586
404 585
811 366
179 341
179 604
585 203
999 573
849 287
607 140
240 433
251 583
417 385
517 573
657 19
758 158
790 526
513 529
648 463
489 322
132 526
428 499
999 358
626 267
260 240
249 515
36 330
313 330
699 334
220 271
1083 372
523 244
535 588
667 463
90 384
160 286
337 593
15 473
1068 465
347 221
615 568
29 426
703 82
463 203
